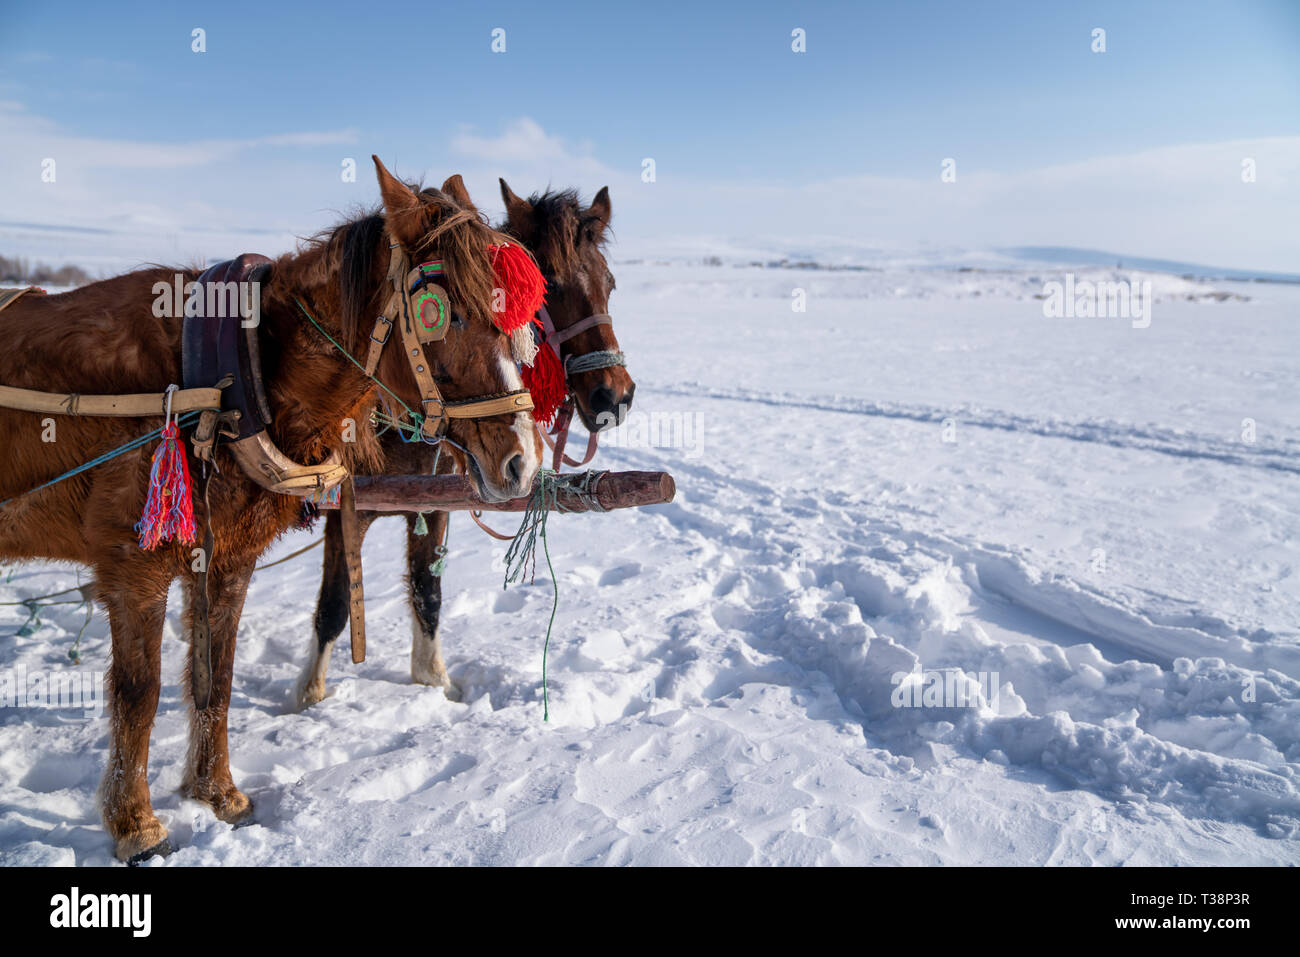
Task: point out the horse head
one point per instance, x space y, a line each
568 241
458 373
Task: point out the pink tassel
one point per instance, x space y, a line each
168 511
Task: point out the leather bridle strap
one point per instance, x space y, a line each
502 404
499 536
555 338
378 338
563 418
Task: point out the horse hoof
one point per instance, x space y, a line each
162 849
234 808
438 681
142 842
229 804
309 693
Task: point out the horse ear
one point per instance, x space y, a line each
455 188
400 206
600 207
519 212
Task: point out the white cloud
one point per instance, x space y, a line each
26 135
1184 202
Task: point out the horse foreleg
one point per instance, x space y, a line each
422 553
136 599
331 609
207 774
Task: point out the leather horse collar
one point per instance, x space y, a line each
218 347
419 306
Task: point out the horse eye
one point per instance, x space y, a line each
609 278
457 319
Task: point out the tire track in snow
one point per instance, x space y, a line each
1150 438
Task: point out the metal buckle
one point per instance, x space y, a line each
433 422
387 327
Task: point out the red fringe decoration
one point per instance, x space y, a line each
522 281
546 383
168 511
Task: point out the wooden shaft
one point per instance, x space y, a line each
452 493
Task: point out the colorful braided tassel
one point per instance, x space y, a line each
546 383
525 289
168 511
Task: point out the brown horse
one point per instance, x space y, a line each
567 241
102 338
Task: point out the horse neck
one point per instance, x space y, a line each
313 388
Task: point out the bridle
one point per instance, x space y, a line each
585 362
549 337
573 365
420 307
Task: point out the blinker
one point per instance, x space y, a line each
428 302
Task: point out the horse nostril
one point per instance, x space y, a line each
602 399
515 469
606 406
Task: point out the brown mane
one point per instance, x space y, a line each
459 238
561 228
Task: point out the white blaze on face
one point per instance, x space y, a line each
523 424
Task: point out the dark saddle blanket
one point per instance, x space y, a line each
220 338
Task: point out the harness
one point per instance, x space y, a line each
226 349
421 309
419 306
222 376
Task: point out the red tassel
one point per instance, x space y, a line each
546 383
525 289
168 511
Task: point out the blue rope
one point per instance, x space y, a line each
101 459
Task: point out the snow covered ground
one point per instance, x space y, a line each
920 473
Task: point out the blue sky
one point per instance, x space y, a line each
715 95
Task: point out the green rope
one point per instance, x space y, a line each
521 559
403 427
37 602
353 360
521 556
439 565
